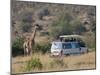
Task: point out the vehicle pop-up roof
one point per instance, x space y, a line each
71 37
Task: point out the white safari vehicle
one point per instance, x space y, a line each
71 44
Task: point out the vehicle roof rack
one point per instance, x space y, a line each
70 36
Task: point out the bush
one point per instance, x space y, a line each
66 25
60 27
26 20
17 46
34 63
42 47
44 33
77 26
26 27
43 12
89 39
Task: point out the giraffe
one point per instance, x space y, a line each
29 41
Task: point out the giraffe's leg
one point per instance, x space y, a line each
30 45
27 51
24 49
30 50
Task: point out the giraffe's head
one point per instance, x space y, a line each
38 27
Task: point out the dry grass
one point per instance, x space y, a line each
84 61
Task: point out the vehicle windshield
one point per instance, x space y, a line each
56 45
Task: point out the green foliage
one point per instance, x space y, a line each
26 20
89 39
44 33
77 26
26 15
93 26
34 63
43 12
65 25
26 27
17 46
60 26
42 47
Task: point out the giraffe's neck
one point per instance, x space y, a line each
33 34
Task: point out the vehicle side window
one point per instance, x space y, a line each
67 45
76 45
82 44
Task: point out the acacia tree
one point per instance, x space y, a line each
66 25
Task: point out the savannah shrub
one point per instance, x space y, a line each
17 46
42 47
65 25
26 27
90 40
34 63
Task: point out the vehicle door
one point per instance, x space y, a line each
75 48
67 48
